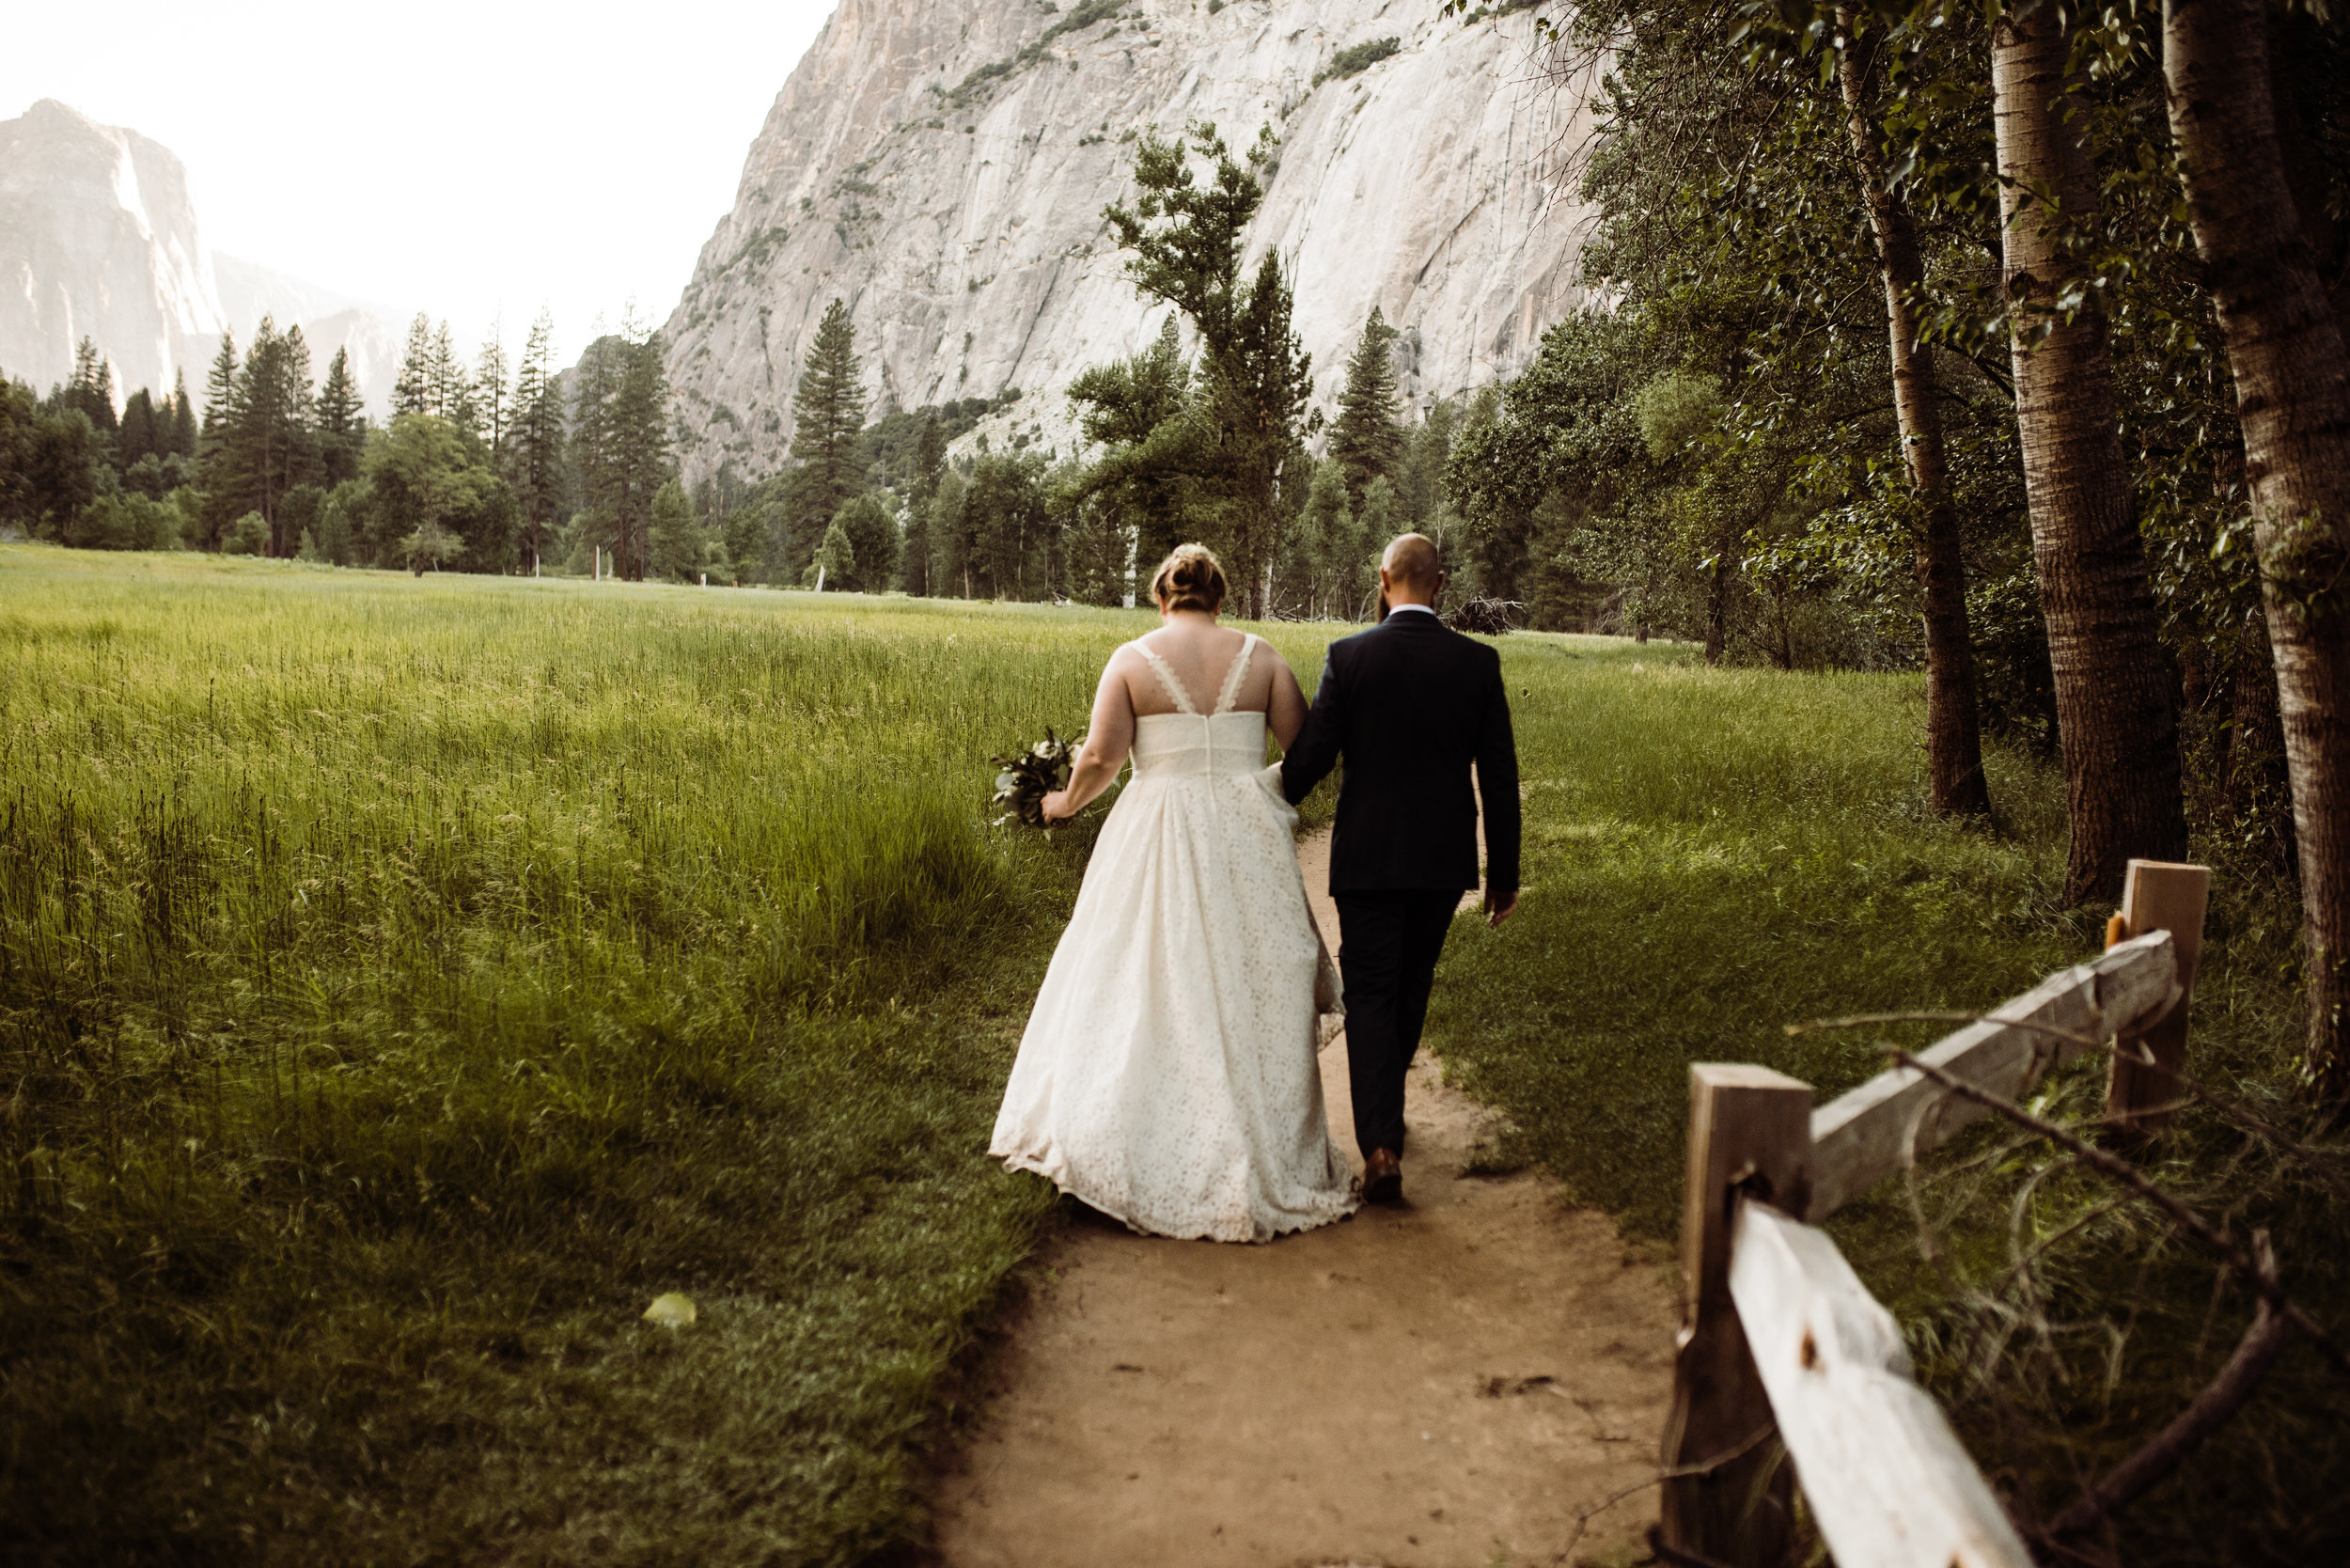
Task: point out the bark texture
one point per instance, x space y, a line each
2256 793
2116 694
2293 395
1956 785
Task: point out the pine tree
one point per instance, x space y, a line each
676 538
92 386
1187 236
594 381
827 414
836 560
1366 440
182 418
1329 546
929 461
950 569
412 390
223 414
341 424
872 535
620 435
493 404
268 448
447 387
1137 409
535 450
137 437
640 442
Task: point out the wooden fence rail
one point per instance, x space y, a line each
1858 1139
1788 1370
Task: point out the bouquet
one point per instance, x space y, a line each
1027 779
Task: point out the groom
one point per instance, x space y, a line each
1411 705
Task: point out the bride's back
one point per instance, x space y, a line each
1200 654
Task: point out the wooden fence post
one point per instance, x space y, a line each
1750 1129
2158 896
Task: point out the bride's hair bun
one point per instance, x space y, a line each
1190 578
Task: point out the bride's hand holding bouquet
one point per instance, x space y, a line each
1029 785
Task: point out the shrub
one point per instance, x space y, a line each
247 535
1354 61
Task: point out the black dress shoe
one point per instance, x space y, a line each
1382 1177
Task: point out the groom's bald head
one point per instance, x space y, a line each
1410 569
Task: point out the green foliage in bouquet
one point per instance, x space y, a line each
1025 780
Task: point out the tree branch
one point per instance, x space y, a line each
2163 1452
2128 1174
2230 1110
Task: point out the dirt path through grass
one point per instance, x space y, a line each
1445 1384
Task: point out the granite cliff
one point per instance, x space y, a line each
941 166
100 238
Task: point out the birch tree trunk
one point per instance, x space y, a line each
2116 696
2293 395
1955 781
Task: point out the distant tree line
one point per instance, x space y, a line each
484 467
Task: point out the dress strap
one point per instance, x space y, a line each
1165 673
1234 676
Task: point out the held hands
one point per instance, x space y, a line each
1497 909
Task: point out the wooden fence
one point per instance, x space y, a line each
1780 1340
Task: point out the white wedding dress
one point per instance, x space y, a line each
1168 1077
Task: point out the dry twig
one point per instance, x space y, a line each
2128 1175
2243 1117
2222 1397
1703 1466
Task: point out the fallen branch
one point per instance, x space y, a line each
1703 1466
2128 1174
2222 1397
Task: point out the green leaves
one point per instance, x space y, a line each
1026 777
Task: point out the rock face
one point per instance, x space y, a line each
100 239
941 166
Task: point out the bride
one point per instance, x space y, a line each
1167 1076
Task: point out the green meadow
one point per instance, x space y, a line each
402 981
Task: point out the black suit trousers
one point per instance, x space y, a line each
1388 944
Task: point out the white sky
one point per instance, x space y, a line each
472 160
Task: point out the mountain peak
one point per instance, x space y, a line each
98 221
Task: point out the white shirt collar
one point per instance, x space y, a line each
1399 609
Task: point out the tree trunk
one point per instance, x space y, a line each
2293 395
1718 610
1955 782
2116 696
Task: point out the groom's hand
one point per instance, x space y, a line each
1499 909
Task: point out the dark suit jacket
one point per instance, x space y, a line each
1412 704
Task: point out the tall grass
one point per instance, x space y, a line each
401 981
1712 854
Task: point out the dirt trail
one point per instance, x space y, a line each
1445 1384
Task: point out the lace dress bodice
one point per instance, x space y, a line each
1189 743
